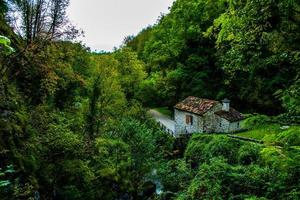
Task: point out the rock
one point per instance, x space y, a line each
284 127
149 189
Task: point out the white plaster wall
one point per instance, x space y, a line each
180 123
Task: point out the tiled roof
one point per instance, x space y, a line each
231 116
196 105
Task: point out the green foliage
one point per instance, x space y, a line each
290 137
131 71
9 169
226 169
195 151
177 55
141 140
248 154
253 39
291 98
107 99
244 51
172 171
60 140
219 180
222 146
3 7
113 159
73 125
6 49
202 148
149 89
138 43
201 186
256 121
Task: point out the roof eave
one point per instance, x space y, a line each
201 115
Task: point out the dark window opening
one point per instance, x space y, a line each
189 119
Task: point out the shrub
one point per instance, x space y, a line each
208 182
256 121
175 175
289 137
195 151
222 146
248 153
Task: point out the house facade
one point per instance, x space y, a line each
197 115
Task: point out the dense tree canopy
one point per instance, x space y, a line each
74 123
244 50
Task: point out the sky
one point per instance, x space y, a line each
107 22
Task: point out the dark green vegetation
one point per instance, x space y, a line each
73 124
217 167
247 51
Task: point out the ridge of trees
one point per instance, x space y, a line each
74 124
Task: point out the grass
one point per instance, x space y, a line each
263 131
164 111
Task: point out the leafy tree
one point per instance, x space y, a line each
255 42
291 98
107 99
142 143
112 168
131 71
138 43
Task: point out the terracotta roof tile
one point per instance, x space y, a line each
231 116
196 105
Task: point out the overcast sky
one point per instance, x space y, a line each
107 22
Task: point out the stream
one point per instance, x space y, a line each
157 182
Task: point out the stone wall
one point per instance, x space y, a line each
224 126
235 126
210 119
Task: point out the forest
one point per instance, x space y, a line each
74 124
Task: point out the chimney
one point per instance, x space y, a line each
226 105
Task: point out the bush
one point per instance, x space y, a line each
195 151
208 182
248 153
256 121
175 175
222 146
289 137
220 180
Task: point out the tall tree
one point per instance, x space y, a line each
39 20
106 98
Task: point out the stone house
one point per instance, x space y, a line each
197 115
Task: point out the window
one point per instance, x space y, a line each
238 125
189 119
220 124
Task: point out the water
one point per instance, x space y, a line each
157 182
